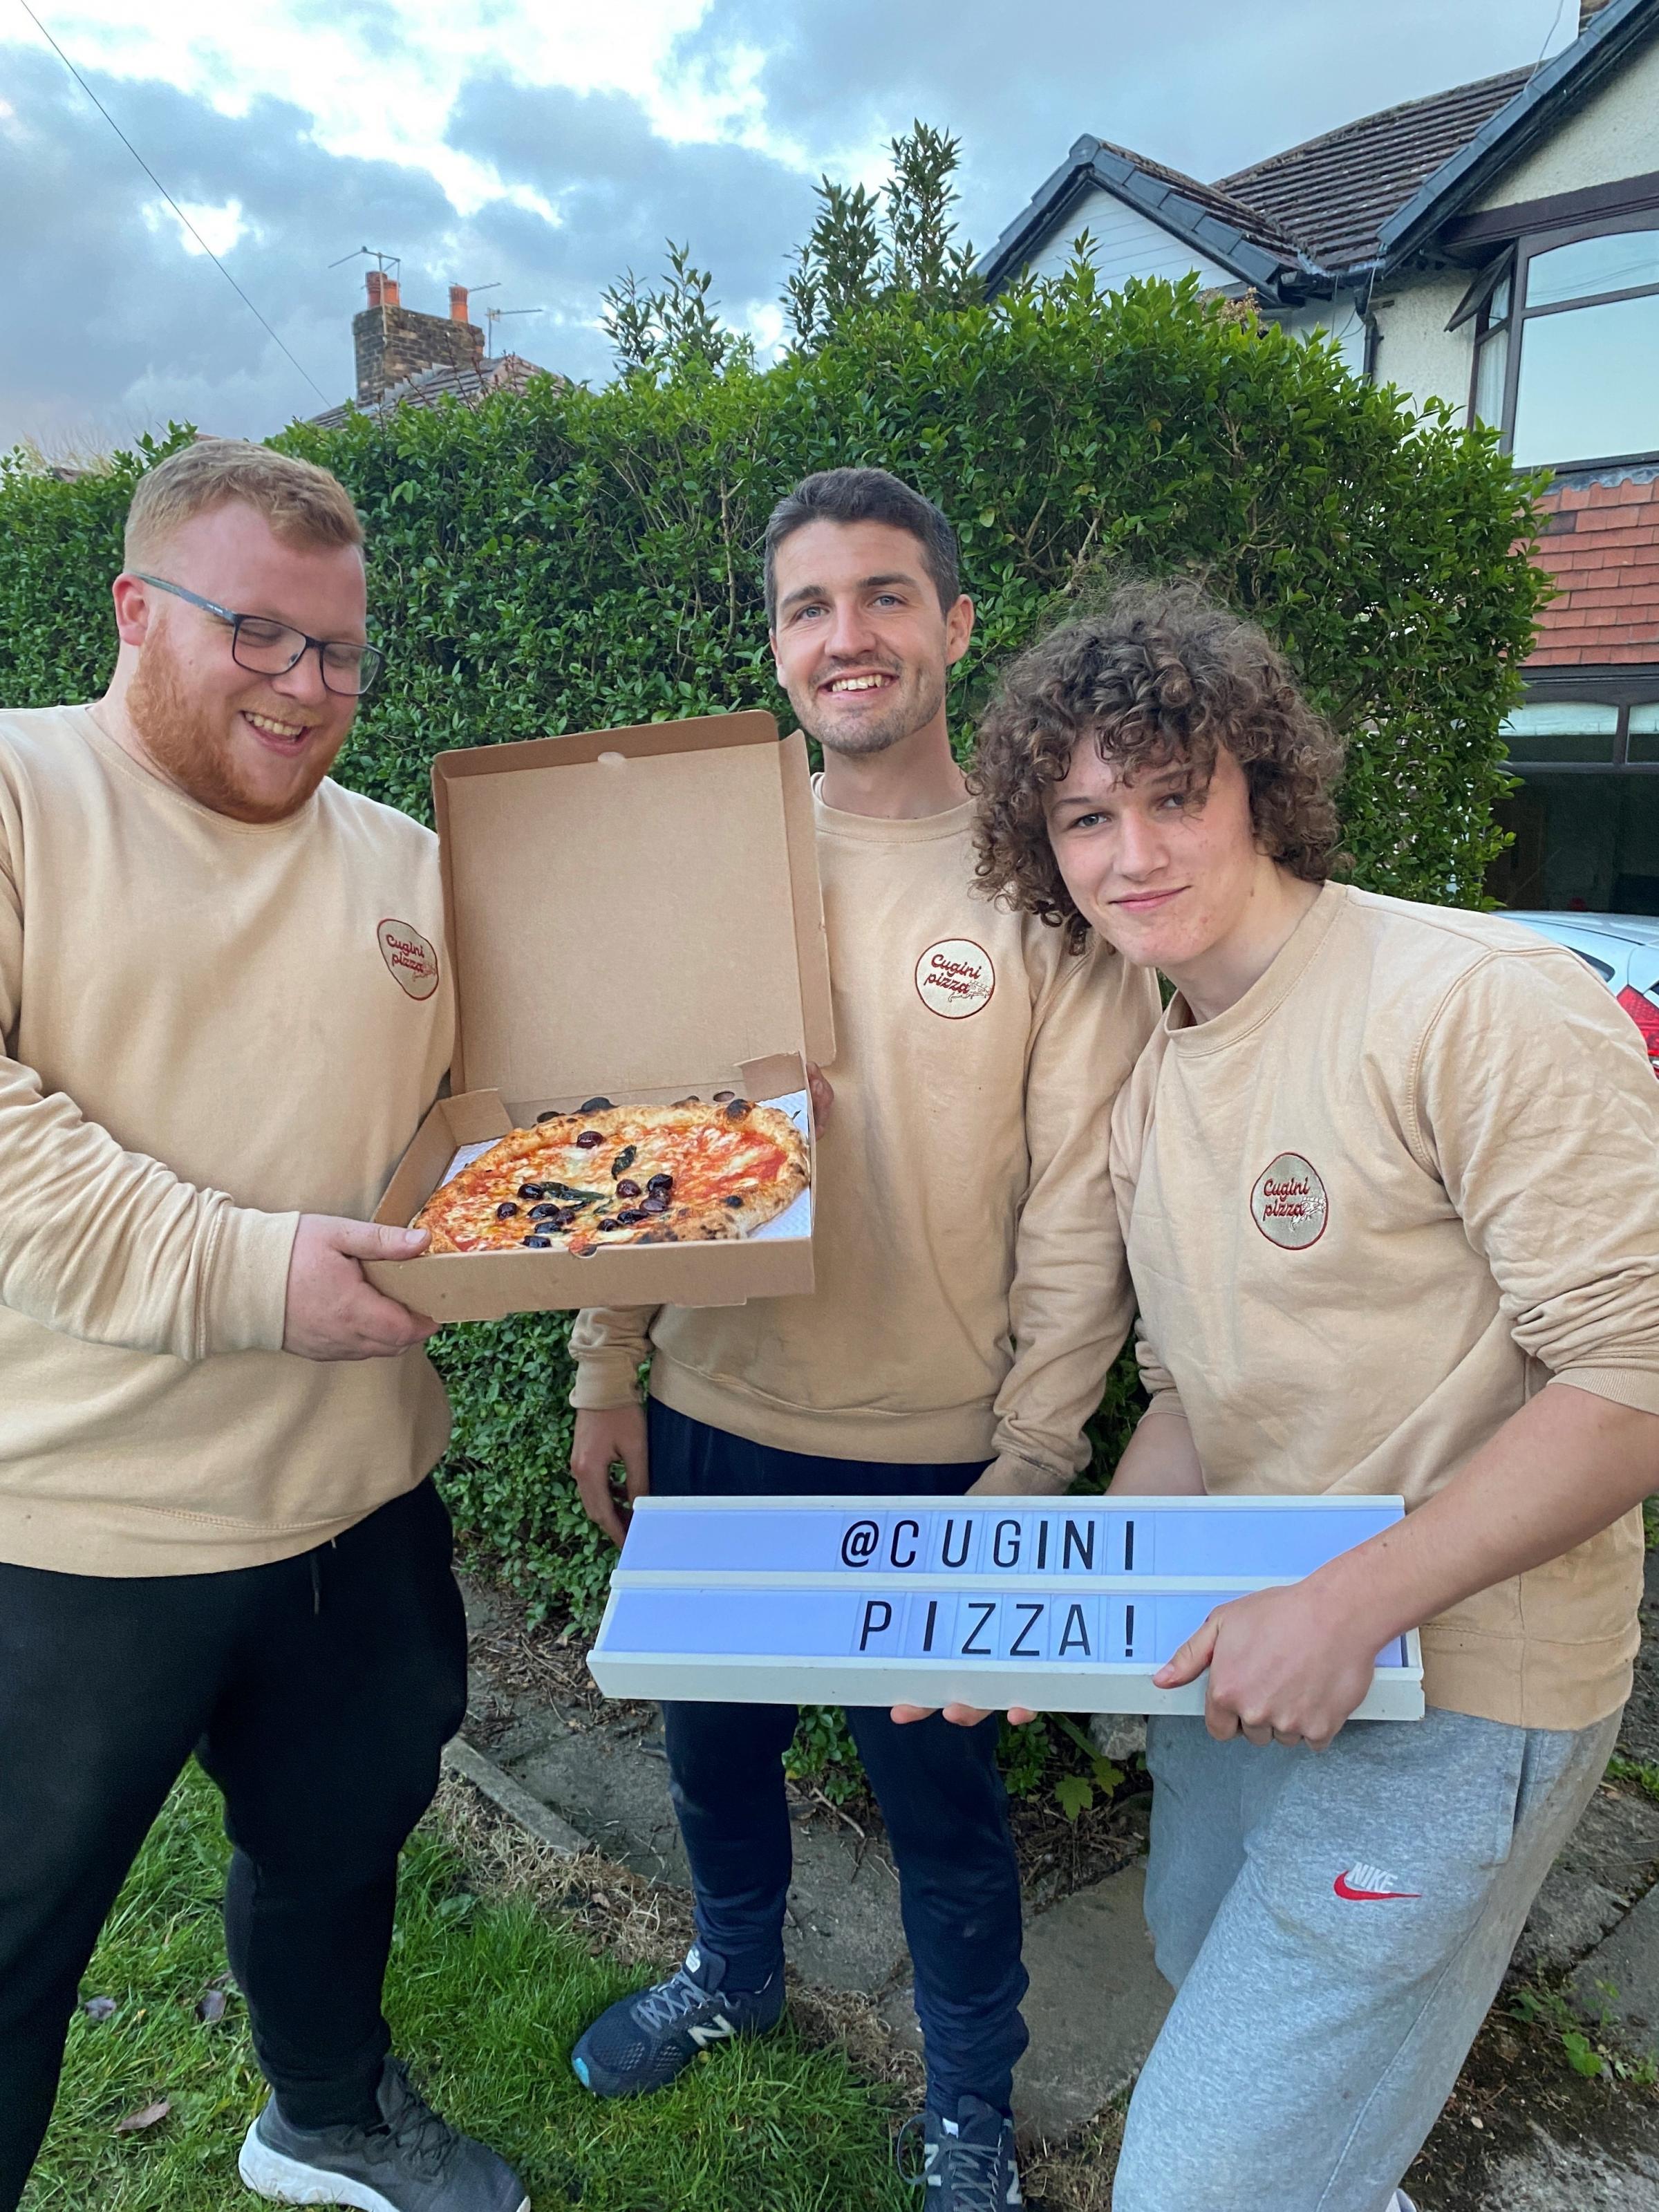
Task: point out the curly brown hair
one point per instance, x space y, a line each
1159 671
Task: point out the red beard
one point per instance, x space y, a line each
188 744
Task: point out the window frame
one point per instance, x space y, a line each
1622 688
1501 273
1515 262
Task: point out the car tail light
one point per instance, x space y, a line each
1644 1013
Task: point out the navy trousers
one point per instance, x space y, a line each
938 1788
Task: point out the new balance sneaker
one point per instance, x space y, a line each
967 2162
410 2160
642 2042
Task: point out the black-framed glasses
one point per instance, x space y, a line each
265 647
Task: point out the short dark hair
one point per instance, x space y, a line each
1160 672
865 495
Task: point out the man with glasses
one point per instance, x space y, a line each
224 1009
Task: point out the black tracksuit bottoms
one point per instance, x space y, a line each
318 1692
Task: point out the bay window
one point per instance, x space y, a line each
1566 357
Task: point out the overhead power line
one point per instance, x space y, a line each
171 203
1548 35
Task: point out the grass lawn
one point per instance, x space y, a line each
485 1998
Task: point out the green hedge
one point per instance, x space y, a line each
569 560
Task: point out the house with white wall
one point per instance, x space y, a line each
1497 246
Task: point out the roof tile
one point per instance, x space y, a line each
1334 193
429 387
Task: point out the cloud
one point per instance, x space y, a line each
129 323
217 230
619 189
544 150
1205 86
127 319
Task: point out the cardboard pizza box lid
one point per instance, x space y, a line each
629 908
634 913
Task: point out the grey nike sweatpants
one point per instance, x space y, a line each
1336 1925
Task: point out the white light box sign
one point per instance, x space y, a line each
1071 1606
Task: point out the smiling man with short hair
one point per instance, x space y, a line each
970 1297
223 1012
1387 1179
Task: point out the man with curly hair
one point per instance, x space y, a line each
1385 1175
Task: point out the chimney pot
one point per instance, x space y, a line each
374 287
458 303
390 294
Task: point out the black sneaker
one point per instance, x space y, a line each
410 2161
968 2162
642 2042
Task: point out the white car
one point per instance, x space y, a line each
1623 951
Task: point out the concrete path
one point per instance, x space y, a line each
1618 1984
1095 2004
1553 2178
842 1931
1096 2001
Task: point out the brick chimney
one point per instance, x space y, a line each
1586 9
393 342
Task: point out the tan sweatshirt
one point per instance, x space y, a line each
207 1028
1411 1177
971 1292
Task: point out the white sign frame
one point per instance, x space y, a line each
1094 1684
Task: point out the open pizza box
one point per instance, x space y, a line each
632 915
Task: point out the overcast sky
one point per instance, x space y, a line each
544 145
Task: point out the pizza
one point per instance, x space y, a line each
623 1175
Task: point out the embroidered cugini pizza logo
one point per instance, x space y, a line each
412 960
955 978
1288 1202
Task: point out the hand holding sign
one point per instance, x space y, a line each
1282 1668
961 1716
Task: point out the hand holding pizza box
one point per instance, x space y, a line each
637 936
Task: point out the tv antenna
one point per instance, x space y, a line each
387 264
494 315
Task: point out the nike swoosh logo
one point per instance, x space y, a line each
1345 1889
